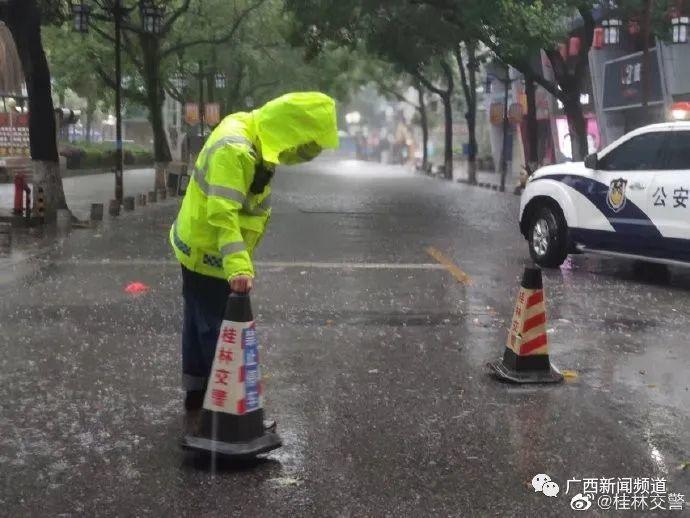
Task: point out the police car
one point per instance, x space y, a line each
631 199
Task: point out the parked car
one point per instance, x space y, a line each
630 199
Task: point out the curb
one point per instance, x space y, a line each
491 186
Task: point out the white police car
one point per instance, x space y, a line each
630 199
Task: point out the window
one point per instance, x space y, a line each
679 150
644 152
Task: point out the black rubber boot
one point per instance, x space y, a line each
193 402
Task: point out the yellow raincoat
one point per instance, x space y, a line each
221 222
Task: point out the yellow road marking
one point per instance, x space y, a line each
449 265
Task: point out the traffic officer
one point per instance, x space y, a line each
225 212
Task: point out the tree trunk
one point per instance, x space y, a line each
469 85
155 97
89 119
532 128
448 146
504 145
24 22
424 123
577 126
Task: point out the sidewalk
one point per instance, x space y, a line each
82 191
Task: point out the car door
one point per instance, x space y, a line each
621 190
670 210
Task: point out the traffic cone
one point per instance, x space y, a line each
232 418
526 357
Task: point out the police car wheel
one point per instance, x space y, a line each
547 238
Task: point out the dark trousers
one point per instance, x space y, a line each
204 305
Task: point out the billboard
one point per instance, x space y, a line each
14 134
623 86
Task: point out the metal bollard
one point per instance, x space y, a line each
142 200
63 220
128 203
96 212
153 197
114 208
40 203
5 238
18 194
162 194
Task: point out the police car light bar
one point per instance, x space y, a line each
680 110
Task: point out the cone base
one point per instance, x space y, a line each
233 450
504 373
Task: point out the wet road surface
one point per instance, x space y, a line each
374 361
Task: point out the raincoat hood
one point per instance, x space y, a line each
295 119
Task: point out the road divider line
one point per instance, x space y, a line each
260 264
449 265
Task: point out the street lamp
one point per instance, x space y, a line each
115 11
151 17
220 80
178 80
81 13
680 29
612 31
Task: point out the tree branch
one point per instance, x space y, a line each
112 83
463 75
215 41
167 26
386 89
587 36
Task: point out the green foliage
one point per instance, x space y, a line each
82 155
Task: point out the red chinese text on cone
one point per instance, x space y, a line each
232 422
526 356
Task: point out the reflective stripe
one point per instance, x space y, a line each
211 260
233 248
219 190
266 204
181 245
232 139
226 192
260 209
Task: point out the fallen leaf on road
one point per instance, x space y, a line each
330 322
684 465
651 385
286 481
569 375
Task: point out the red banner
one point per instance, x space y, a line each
191 113
212 114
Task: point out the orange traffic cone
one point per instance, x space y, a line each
232 418
526 357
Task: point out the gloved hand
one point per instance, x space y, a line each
241 283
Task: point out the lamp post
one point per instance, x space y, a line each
219 81
151 16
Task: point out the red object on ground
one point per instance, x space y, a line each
136 287
18 193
